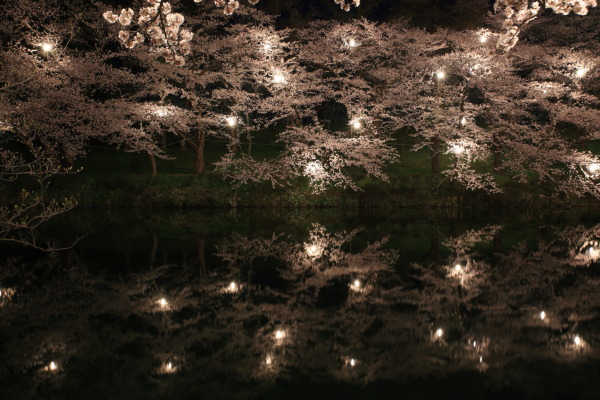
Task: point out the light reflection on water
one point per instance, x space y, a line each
344 300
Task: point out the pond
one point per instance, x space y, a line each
248 304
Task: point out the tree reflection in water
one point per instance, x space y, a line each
326 306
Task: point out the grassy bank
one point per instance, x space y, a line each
114 179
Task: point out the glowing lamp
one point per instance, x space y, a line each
457 268
577 340
357 284
542 315
267 47
463 121
233 286
440 75
580 73
279 334
356 124
163 302
47 47
352 362
268 360
352 42
52 366
458 150
439 333
231 121
474 343
278 78
483 38
593 168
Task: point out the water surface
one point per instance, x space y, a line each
296 304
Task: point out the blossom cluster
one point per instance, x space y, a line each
160 25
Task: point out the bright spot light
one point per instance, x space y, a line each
581 72
440 75
352 42
356 124
161 112
314 169
474 343
169 366
542 315
53 366
352 362
457 268
313 250
593 168
463 121
267 47
458 150
357 284
278 78
577 340
480 360
483 38
231 121
47 47
439 333
279 334
233 286
163 302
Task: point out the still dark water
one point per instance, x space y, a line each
305 304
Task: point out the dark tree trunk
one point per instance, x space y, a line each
496 153
435 156
200 164
200 246
152 164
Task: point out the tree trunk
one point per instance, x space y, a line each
200 165
163 141
200 246
152 164
435 156
496 153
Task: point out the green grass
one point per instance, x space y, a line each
116 179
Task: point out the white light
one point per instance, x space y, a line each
458 150
581 72
439 333
352 42
279 334
352 362
357 284
267 47
457 268
169 366
483 38
463 121
161 112
53 366
577 340
593 168
268 360
356 124
163 302
440 75
278 78
233 286
480 360
47 47
231 121
314 169
543 315
474 343
313 250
